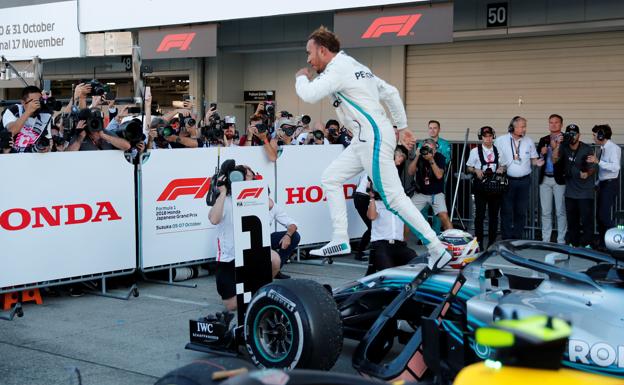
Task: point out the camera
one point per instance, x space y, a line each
132 131
285 114
58 140
94 119
231 173
425 150
318 135
305 119
165 131
97 88
262 128
214 130
289 130
568 137
49 105
42 142
269 108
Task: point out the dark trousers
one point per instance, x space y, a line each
493 204
385 255
287 252
580 216
514 208
607 191
361 205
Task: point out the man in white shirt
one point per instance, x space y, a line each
357 94
519 154
387 246
609 163
27 122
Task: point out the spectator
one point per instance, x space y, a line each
428 171
285 132
58 135
337 135
608 176
27 122
387 246
303 129
221 215
552 183
485 159
519 153
574 156
229 132
317 137
257 134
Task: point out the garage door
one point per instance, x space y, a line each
487 82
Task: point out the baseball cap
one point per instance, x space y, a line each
287 122
573 128
230 120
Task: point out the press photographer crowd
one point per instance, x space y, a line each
570 171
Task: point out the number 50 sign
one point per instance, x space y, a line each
497 15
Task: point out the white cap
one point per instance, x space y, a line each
230 120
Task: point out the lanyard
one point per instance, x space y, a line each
512 143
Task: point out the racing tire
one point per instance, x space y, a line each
293 323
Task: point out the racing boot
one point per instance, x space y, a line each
332 249
438 257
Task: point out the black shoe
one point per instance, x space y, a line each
281 275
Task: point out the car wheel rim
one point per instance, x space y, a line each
273 333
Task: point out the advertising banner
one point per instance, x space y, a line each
121 14
174 215
65 215
179 42
299 192
426 24
49 31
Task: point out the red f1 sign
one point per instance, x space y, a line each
250 193
393 26
181 41
399 25
198 187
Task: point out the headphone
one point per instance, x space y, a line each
484 128
511 124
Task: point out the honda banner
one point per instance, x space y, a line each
299 192
65 215
426 24
180 42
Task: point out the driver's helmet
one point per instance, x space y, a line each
462 246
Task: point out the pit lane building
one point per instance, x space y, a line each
466 63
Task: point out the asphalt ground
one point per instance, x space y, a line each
112 341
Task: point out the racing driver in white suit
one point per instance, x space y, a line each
356 95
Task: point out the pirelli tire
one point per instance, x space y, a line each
293 323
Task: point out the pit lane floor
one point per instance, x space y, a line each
118 342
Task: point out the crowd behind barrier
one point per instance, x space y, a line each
173 229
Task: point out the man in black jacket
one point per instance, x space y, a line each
552 182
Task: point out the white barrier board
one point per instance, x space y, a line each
174 215
299 192
65 215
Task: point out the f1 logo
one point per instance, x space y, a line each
250 193
399 25
187 186
182 41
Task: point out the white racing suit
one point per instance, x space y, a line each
356 94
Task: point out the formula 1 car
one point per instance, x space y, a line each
415 324
511 279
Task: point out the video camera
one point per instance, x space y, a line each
214 130
224 176
568 137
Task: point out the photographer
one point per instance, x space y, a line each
317 137
483 162
574 156
257 134
286 132
30 122
90 135
303 129
220 214
336 135
428 184
229 132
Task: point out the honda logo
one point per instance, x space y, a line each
399 25
250 193
72 214
181 41
198 187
